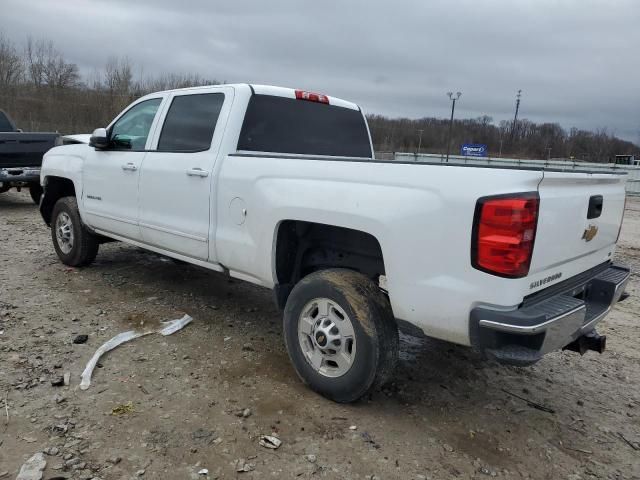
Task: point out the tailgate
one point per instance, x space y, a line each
19 149
567 240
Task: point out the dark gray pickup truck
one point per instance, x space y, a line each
21 156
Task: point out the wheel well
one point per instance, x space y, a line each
54 189
305 247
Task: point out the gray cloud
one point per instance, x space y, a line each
575 60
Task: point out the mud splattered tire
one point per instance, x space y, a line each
75 245
340 334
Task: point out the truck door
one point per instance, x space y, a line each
177 178
110 192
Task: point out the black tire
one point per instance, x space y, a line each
84 246
35 190
374 327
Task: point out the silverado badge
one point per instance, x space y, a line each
589 232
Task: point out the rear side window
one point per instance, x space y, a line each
5 124
190 123
287 125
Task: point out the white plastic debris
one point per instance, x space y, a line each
110 345
269 441
32 469
170 327
203 471
173 326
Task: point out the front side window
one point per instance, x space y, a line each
130 131
190 123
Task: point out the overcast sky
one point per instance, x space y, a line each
576 61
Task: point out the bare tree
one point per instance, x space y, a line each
34 57
118 76
47 67
60 74
168 81
11 65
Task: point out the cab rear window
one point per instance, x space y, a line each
286 125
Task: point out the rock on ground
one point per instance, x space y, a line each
32 469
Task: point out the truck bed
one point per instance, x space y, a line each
23 149
452 163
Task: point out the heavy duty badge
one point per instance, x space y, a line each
589 232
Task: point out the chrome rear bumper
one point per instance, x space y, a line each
545 322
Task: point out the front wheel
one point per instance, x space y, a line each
75 245
340 334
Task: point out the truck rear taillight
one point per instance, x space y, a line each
504 230
312 97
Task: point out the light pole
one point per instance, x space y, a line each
515 117
501 139
453 107
419 140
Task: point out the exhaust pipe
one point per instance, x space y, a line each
588 341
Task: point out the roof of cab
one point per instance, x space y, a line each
271 90
291 93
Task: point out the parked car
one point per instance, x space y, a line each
279 187
21 156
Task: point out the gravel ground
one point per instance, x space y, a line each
168 407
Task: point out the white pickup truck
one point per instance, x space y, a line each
280 187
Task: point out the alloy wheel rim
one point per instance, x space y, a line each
64 232
327 337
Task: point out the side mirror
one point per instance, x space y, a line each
99 138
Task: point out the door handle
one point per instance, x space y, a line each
197 172
129 166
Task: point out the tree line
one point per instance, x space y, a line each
525 139
43 91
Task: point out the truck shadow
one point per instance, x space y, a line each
423 361
16 201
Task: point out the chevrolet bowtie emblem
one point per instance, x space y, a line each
589 232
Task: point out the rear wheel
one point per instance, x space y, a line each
340 334
75 245
35 190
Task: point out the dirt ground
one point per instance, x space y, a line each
168 407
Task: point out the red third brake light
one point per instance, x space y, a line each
312 97
504 231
